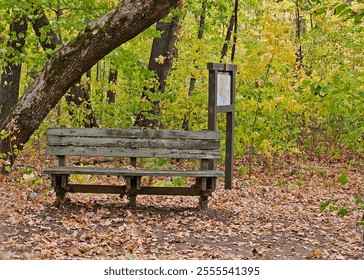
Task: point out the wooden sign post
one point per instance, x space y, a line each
222 99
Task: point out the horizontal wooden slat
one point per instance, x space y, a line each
139 153
183 191
59 170
183 144
78 188
134 133
170 191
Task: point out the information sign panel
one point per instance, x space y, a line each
223 89
222 99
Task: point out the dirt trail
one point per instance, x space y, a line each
274 215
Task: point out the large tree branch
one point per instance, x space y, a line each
66 66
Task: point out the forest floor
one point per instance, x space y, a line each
273 214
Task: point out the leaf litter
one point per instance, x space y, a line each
267 215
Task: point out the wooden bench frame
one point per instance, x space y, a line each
133 144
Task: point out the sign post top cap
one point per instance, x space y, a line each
221 66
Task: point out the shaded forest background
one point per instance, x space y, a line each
299 86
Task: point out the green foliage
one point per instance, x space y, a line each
344 210
343 178
282 104
359 201
340 210
5 158
324 204
177 182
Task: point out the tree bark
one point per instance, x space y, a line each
78 95
164 47
10 76
191 88
160 62
228 37
201 30
233 48
52 40
232 30
66 67
300 22
113 77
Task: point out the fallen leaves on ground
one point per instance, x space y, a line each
267 215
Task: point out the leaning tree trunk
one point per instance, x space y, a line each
10 76
67 66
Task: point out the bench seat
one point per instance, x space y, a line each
68 170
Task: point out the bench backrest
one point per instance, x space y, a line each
133 143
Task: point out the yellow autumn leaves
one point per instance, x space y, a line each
289 103
160 59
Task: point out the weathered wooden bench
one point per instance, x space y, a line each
132 144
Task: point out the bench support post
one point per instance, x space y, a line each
203 202
132 200
203 184
132 185
59 183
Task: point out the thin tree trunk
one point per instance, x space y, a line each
163 48
233 48
10 75
66 67
52 41
161 58
299 29
113 77
228 37
79 95
201 30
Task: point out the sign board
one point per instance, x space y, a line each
222 99
223 89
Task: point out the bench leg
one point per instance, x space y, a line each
132 200
59 183
212 184
60 196
204 201
133 184
205 186
202 184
